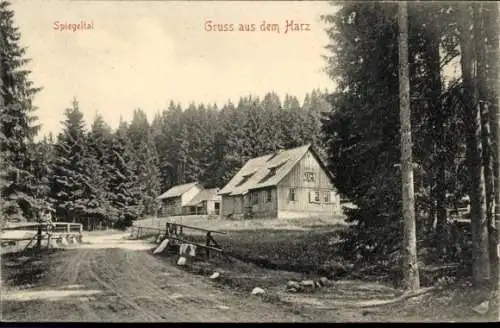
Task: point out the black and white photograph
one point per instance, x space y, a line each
249 161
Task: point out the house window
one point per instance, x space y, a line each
327 196
292 196
314 196
269 196
309 176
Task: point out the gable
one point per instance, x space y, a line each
308 172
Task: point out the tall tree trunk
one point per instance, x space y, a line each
483 102
411 279
438 118
472 119
493 78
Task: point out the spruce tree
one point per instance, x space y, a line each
124 192
69 181
16 122
99 172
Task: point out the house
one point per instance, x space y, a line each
189 198
207 201
286 184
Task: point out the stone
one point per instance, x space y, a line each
215 275
181 261
293 285
258 291
307 283
482 308
324 281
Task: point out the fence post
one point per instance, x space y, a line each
208 244
39 236
68 227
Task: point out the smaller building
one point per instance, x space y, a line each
207 201
187 199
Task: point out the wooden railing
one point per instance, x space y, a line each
176 232
43 231
67 227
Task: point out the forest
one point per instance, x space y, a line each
453 129
114 175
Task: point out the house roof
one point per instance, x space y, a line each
203 195
267 170
177 191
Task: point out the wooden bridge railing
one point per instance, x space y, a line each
62 227
176 232
42 232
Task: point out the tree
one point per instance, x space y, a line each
291 121
99 171
315 107
69 179
362 127
491 25
472 119
17 121
43 158
124 192
146 160
410 265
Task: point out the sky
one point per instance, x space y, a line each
142 54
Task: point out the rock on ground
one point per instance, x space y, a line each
307 283
258 291
181 261
482 308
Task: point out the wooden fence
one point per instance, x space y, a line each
41 232
177 232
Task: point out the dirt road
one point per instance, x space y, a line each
112 279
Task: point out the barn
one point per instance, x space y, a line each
289 183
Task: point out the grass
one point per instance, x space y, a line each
268 253
205 222
269 258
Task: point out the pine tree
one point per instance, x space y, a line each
69 180
292 120
228 145
169 163
149 178
124 192
409 248
315 107
146 161
99 172
16 122
362 129
272 131
159 133
42 170
472 118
